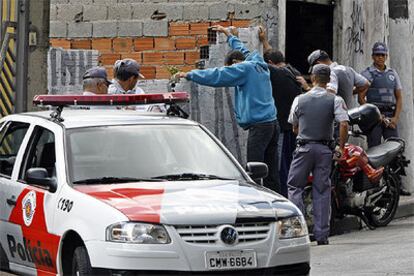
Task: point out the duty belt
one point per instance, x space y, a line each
329 143
385 107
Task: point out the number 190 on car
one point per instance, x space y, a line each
231 260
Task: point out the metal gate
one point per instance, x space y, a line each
8 34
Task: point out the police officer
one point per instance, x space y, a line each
343 78
385 93
312 116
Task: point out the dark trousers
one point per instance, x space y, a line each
315 158
288 147
262 147
378 132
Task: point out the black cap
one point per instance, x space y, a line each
129 65
96 73
379 48
315 56
321 70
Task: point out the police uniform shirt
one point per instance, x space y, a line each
370 72
333 83
340 110
347 78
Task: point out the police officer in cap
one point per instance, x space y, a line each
312 116
386 93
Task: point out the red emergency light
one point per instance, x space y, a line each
117 99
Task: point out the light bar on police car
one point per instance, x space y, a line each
118 99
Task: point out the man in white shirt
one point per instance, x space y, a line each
344 81
126 75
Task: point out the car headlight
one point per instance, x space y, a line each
135 232
292 227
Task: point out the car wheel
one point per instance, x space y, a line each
4 262
81 265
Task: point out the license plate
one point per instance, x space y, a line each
231 260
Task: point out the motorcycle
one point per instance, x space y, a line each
364 183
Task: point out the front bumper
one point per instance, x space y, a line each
287 270
182 256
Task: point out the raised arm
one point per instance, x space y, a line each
263 39
227 76
232 39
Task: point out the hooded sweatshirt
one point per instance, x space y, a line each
254 102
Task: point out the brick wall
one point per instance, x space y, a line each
181 48
156 33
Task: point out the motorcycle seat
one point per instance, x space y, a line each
383 154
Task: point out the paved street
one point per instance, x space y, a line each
385 251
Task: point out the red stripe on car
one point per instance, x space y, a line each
40 247
136 202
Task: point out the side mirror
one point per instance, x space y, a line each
39 176
257 170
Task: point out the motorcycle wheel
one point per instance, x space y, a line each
385 208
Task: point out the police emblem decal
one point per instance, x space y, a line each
29 207
391 77
229 235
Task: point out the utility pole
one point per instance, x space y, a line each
23 12
32 49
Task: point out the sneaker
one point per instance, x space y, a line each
404 192
323 242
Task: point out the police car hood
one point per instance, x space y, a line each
193 202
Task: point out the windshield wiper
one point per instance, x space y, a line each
113 180
191 176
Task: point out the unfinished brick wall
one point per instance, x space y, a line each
156 33
181 48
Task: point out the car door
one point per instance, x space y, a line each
12 137
33 245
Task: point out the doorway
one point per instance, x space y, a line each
309 26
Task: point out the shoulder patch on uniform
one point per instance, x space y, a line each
391 77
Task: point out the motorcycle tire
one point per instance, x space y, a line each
386 206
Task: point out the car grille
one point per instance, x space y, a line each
209 234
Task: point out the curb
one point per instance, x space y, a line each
353 223
405 207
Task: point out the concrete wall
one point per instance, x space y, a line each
66 68
401 59
361 24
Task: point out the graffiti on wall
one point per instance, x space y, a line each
355 32
66 68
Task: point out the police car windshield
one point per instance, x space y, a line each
145 152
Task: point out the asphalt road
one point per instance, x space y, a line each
384 251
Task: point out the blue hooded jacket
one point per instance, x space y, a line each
251 78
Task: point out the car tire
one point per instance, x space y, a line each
81 265
4 262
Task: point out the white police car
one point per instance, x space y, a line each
113 192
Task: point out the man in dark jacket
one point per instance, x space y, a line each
285 88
